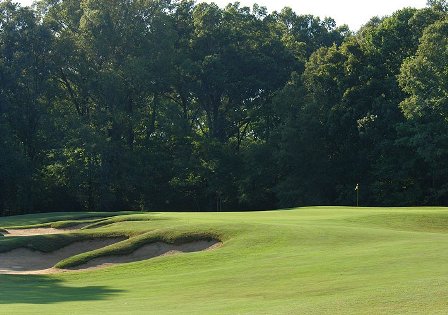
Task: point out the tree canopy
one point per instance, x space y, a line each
177 105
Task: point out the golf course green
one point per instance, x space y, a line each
313 260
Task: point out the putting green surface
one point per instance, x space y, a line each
317 260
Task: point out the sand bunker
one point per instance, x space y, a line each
43 231
148 251
39 231
27 261
47 230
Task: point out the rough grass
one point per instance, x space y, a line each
319 260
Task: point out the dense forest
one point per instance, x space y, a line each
184 106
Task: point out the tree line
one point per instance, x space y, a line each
177 105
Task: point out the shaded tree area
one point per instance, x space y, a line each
177 105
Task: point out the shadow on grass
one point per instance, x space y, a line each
46 290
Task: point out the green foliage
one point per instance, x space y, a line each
119 105
422 77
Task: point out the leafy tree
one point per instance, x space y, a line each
308 30
164 105
113 80
25 91
439 5
423 77
235 65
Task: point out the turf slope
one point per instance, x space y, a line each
318 260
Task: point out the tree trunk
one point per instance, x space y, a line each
155 105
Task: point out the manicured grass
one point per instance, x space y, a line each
317 260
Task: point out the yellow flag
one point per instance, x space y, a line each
357 187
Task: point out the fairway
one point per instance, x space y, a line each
314 260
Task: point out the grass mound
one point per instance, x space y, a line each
132 244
